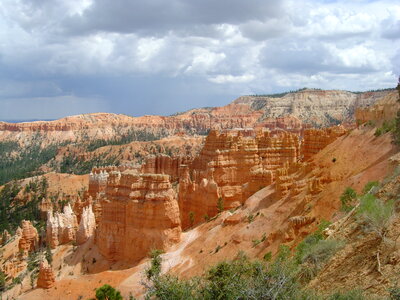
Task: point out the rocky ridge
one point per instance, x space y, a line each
316 107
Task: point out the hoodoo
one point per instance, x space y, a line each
139 213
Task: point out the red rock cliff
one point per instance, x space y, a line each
139 213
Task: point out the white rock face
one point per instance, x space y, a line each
87 225
315 106
61 227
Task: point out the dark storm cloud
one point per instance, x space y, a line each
157 17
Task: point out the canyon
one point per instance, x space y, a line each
263 173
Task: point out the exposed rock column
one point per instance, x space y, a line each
140 212
46 276
29 237
61 227
87 225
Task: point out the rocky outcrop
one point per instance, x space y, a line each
97 182
14 266
300 221
29 238
383 110
61 227
315 140
317 107
87 226
164 164
288 123
46 277
139 213
231 166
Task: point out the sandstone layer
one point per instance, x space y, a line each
46 276
61 227
383 110
316 107
87 225
29 238
139 213
315 188
235 164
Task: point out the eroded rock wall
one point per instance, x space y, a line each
139 213
164 164
61 227
314 140
231 166
383 110
87 225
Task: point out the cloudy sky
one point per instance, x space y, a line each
64 57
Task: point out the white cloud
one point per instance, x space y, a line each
231 78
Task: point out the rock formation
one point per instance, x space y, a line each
384 109
14 266
300 221
139 213
61 227
97 182
29 237
231 166
164 164
87 225
316 139
318 107
46 276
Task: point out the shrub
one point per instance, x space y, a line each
250 218
170 287
376 213
191 218
256 242
18 279
2 281
33 261
237 279
349 295
396 131
267 256
220 205
310 241
107 292
369 186
155 264
387 126
49 255
315 257
394 293
347 198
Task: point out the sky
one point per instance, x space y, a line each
67 57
